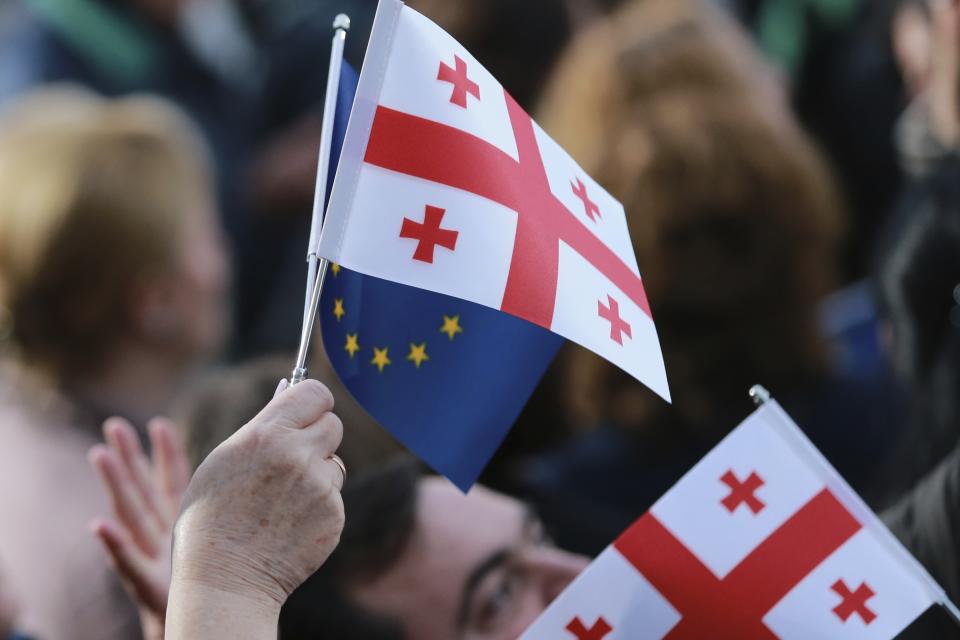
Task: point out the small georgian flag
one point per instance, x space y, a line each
761 540
445 184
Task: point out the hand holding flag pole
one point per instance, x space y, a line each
316 266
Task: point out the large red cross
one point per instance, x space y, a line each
439 153
737 603
462 85
742 492
428 234
611 313
854 602
600 629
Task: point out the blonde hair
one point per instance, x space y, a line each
92 195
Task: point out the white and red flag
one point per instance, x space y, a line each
446 184
762 539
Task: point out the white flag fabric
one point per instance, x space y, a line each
762 539
444 183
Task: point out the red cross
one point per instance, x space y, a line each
462 85
611 313
428 234
439 153
598 631
854 602
591 208
742 492
737 603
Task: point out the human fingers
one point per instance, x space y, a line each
123 438
125 501
171 466
324 435
133 567
296 407
340 477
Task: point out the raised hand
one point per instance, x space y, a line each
261 514
145 498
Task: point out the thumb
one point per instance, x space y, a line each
298 406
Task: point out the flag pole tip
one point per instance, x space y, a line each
342 21
759 395
299 375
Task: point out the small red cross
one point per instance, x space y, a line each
591 208
854 602
598 631
742 492
611 313
428 234
462 85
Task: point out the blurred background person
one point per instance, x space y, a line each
736 221
918 266
252 75
113 290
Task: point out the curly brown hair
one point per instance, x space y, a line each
734 215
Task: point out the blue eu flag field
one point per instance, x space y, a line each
446 377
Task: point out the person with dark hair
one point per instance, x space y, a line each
416 557
419 559
920 288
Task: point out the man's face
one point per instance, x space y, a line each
478 567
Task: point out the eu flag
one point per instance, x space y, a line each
446 377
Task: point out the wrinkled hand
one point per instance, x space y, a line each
264 510
145 498
943 90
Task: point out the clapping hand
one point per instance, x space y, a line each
145 495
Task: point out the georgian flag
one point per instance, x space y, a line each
762 539
445 184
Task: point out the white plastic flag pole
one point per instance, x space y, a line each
316 266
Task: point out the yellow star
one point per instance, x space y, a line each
418 353
353 344
338 309
335 268
380 358
451 326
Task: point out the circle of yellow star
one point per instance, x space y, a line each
353 344
451 326
380 358
418 354
335 268
338 309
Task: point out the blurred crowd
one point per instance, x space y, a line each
791 175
